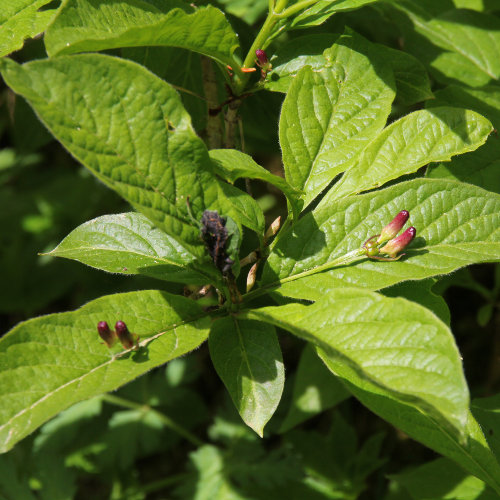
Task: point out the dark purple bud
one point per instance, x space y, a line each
105 333
393 247
126 338
262 57
393 228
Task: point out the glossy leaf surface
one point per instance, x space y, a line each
329 116
247 357
52 362
393 344
415 140
457 224
130 244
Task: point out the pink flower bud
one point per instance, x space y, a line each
262 57
126 338
393 247
393 228
105 333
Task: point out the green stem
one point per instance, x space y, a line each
260 42
296 8
344 260
116 400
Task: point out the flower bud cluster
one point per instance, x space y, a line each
121 332
392 244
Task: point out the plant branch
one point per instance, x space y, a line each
293 9
118 401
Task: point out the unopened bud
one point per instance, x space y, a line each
273 228
393 247
126 338
371 248
262 57
106 334
393 228
252 276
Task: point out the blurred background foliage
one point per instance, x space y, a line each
173 433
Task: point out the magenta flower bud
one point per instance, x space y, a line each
393 247
262 57
393 228
126 338
105 333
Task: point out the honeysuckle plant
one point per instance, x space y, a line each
358 125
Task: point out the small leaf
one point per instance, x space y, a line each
130 244
21 19
413 141
91 25
323 9
314 390
231 165
457 225
247 357
393 344
329 116
52 362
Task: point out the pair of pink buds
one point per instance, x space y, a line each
392 245
121 333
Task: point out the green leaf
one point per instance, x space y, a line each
412 81
485 100
130 129
413 141
480 167
314 390
328 117
294 55
129 244
457 225
231 165
442 478
393 344
92 25
247 357
52 362
421 293
470 40
487 412
21 19
323 9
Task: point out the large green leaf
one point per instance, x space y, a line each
93 25
52 362
129 244
21 19
321 10
329 116
469 40
130 129
247 357
457 224
393 344
415 140
231 165
480 167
